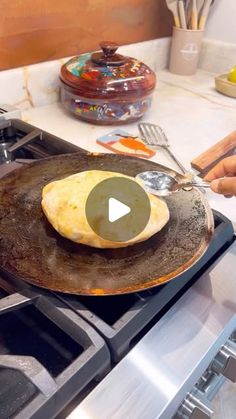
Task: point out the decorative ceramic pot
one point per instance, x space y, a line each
106 87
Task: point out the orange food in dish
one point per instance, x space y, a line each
135 145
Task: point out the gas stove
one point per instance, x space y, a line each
21 143
55 348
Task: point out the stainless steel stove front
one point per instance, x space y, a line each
170 373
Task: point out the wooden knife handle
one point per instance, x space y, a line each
209 158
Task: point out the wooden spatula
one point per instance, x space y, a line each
194 15
213 155
199 4
173 7
204 14
182 14
193 12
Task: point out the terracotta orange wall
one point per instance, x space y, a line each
37 30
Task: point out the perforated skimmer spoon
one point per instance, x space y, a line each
161 184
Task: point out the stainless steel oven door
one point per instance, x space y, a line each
180 364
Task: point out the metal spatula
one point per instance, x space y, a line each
154 136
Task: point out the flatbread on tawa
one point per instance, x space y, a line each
64 201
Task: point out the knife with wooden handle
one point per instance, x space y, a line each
213 155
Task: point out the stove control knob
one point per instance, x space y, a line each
195 406
225 361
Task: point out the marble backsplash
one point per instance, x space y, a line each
38 85
217 57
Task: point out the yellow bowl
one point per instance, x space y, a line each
224 86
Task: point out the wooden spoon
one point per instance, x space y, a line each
182 14
194 15
193 12
204 14
173 7
199 4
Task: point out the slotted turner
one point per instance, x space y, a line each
154 136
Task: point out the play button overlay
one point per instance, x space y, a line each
118 209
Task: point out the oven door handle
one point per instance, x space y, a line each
196 404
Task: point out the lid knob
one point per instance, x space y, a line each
108 48
108 55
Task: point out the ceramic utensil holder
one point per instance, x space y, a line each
185 51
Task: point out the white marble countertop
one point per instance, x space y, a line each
193 115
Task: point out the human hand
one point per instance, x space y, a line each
223 177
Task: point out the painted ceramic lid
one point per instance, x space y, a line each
108 74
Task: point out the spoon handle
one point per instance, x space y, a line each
202 184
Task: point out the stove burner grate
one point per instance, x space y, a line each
48 354
20 143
